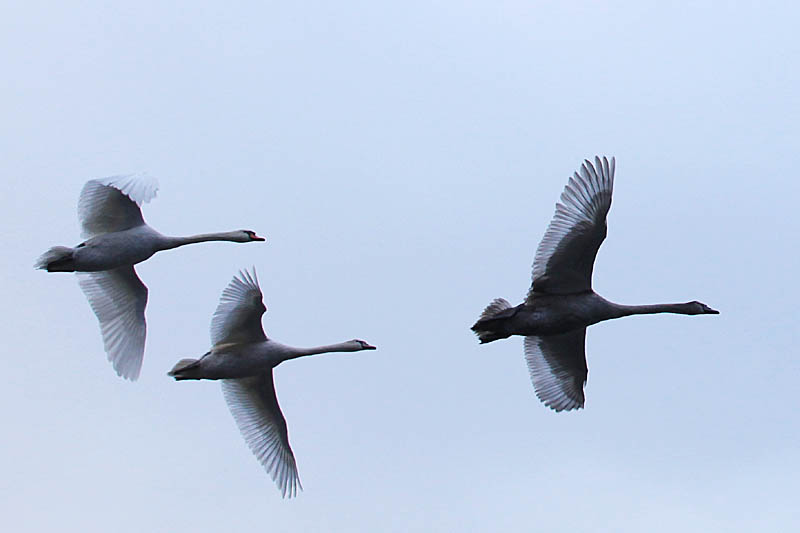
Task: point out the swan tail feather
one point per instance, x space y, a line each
56 259
497 306
485 327
181 369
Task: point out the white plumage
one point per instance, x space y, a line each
242 357
117 238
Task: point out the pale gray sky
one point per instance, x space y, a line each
403 161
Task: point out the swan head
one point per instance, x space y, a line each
358 345
699 308
246 235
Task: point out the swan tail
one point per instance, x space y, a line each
56 259
486 326
183 369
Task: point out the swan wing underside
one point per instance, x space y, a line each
254 406
112 204
238 315
565 258
557 365
118 298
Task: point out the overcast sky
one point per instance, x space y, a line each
403 161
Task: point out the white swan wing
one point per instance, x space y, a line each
118 298
112 204
254 406
557 365
238 315
565 257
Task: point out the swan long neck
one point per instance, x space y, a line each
173 242
338 347
627 310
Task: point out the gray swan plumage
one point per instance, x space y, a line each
561 303
242 357
117 238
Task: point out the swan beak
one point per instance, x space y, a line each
257 238
369 347
710 311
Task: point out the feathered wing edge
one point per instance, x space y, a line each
140 187
118 298
254 406
238 314
584 203
557 367
113 203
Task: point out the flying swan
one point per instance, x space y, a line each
242 357
561 303
116 239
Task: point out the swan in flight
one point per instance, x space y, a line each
116 239
561 303
242 357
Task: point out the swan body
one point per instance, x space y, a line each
553 314
111 250
116 239
240 360
561 303
242 357
128 247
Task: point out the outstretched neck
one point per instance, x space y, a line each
174 242
627 310
339 347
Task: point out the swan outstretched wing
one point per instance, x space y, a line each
112 204
565 257
118 298
254 406
557 365
238 315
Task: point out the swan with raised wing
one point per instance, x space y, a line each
117 238
561 303
242 357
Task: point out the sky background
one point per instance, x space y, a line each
403 160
